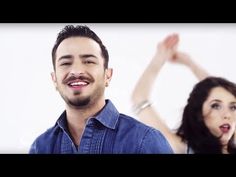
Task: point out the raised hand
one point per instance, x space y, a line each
167 48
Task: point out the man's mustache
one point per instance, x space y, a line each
80 77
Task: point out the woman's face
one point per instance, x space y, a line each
219 112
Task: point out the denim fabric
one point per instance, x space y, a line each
108 133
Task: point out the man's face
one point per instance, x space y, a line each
79 74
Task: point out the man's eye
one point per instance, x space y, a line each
63 64
88 62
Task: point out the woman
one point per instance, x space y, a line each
209 118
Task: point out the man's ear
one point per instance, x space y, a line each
54 79
108 76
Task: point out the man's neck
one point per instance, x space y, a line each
77 118
79 115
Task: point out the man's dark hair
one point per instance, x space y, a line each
79 31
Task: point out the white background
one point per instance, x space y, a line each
29 104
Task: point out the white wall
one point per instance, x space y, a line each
29 103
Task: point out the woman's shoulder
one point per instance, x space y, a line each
189 150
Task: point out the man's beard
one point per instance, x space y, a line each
77 102
83 101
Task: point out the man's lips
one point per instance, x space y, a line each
77 84
79 80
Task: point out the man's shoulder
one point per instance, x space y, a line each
47 135
44 140
131 122
136 125
151 139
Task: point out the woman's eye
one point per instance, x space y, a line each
215 106
233 107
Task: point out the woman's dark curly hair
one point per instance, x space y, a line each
193 130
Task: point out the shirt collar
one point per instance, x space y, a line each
108 116
62 122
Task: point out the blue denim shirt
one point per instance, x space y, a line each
108 133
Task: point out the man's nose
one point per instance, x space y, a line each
77 69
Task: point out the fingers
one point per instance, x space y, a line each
171 41
168 46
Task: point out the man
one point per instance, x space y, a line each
90 124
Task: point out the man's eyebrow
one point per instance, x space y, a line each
65 57
87 56
82 56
